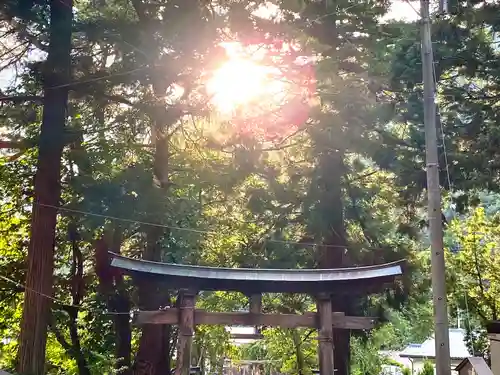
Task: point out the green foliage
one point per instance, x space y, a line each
413 324
473 274
428 368
285 351
257 198
476 267
366 357
466 96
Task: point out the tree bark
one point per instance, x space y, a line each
297 343
39 280
154 344
112 288
153 355
71 349
76 349
334 254
77 292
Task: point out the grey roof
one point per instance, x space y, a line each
478 363
493 326
458 348
262 280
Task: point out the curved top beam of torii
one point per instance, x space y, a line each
259 280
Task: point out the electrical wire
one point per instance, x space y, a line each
441 127
69 84
412 7
59 302
116 218
96 79
191 230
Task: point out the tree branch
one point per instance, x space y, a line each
22 98
60 338
117 98
13 145
480 280
139 9
364 176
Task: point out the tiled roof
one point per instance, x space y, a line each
493 326
458 348
241 330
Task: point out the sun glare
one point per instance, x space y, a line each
244 82
259 90
236 83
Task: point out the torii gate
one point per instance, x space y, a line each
320 283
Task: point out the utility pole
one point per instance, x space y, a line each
441 331
443 6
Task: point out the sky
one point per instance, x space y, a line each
400 10
403 11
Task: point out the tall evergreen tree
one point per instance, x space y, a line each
56 73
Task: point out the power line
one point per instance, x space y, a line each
61 303
412 7
96 79
448 174
133 221
166 226
441 127
445 153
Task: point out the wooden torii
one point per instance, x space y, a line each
320 283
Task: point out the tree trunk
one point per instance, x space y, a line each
73 349
112 288
76 351
39 279
153 355
297 343
123 333
333 254
151 358
77 292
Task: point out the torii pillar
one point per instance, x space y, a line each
186 331
325 334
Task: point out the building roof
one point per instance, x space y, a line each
458 348
241 330
366 278
478 363
493 326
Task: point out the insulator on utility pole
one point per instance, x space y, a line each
443 7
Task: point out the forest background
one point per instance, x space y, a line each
115 135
